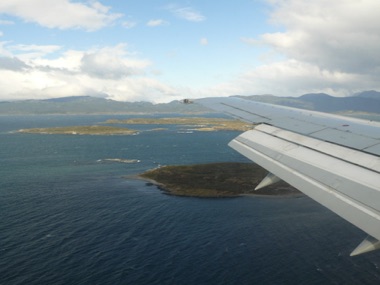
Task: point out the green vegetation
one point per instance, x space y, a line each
214 180
81 130
196 123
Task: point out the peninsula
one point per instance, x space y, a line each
81 130
214 180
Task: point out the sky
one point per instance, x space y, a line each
160 51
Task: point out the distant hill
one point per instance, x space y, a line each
367 102
93 105
368 94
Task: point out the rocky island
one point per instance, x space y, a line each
81 130
214 180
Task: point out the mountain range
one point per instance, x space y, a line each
93 105
367 102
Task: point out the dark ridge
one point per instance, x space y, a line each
214 180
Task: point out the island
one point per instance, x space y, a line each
192 123
81 130
211 180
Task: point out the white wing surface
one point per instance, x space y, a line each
333 159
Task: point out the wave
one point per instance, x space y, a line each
121 160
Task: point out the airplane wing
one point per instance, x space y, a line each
333 159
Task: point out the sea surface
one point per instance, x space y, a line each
70 216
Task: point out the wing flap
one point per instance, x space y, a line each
310 166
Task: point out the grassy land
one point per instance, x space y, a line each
214 180
81 130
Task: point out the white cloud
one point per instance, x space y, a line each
68 61
111 63
294 78
12 63
26 52
141 89
111 71
61 14
329 46
186 13
343 36
156 23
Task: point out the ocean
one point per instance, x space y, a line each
70 216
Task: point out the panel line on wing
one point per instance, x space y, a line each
245 111
349 155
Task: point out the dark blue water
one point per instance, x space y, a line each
67 216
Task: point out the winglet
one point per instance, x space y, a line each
268 180
368 244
